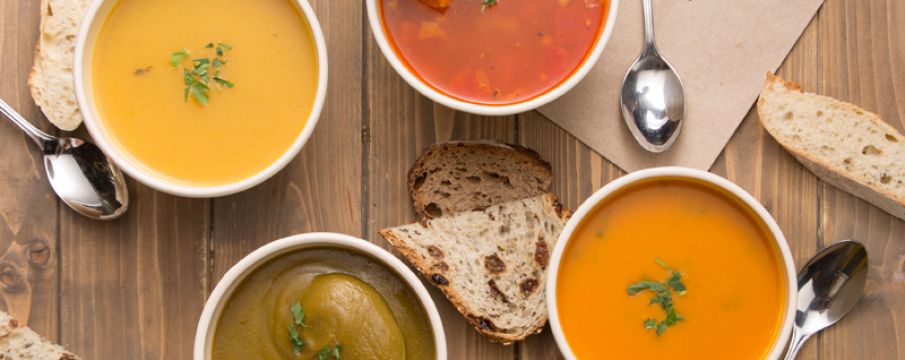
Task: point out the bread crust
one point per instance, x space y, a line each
51 75
832 173
515 154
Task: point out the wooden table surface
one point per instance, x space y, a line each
134 288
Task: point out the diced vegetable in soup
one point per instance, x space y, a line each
671 269
493 52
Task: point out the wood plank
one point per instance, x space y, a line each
401 123
578 173
861 50
29 261
133 288
321 189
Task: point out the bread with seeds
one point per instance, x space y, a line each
490 263
458 176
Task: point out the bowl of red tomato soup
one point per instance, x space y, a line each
492 57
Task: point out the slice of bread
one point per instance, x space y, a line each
51 80
452 177
841 143
18 342
490 263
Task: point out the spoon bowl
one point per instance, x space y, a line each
829 286
81 175
85 179
652 97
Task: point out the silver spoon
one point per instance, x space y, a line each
829 285
652 97
81 175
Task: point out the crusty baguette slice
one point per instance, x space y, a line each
18 342
841 143
452 177
51 80
491 263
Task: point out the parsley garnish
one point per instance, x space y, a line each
298 320
486 4
663 296
327 352
197 80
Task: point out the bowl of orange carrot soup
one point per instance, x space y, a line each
201 98
492 57
671 263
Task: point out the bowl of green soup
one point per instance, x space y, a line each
320 296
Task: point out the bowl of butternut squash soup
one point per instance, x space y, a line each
320 296
201 98
671 263
492 57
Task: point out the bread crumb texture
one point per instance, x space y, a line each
837 137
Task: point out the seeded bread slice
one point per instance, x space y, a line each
490 263
452 177
841 143
51 79
18 342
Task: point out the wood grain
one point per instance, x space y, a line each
861 52
29 225
134 288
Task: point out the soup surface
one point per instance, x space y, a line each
502 54
348 300
272 62
732 270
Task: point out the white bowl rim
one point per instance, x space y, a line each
158 182
672 172
491 110
213 305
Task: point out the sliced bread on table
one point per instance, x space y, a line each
51 79
18 342
490 263
841 143
461 176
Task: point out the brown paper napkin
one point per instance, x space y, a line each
722 49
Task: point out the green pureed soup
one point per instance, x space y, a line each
323 303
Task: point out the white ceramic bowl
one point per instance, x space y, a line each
672 172
97 13
204 336
380 35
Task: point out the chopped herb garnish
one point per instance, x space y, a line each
297 343
298 320
675 282
197 79
663 296
298 315
176 58
486 4
328 352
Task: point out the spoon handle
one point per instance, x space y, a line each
798 340
34 133
648 23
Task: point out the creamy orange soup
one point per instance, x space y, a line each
728 262
241 130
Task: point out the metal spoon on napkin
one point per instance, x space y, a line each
652 97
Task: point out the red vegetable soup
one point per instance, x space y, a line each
501 54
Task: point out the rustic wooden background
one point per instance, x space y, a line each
134 288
